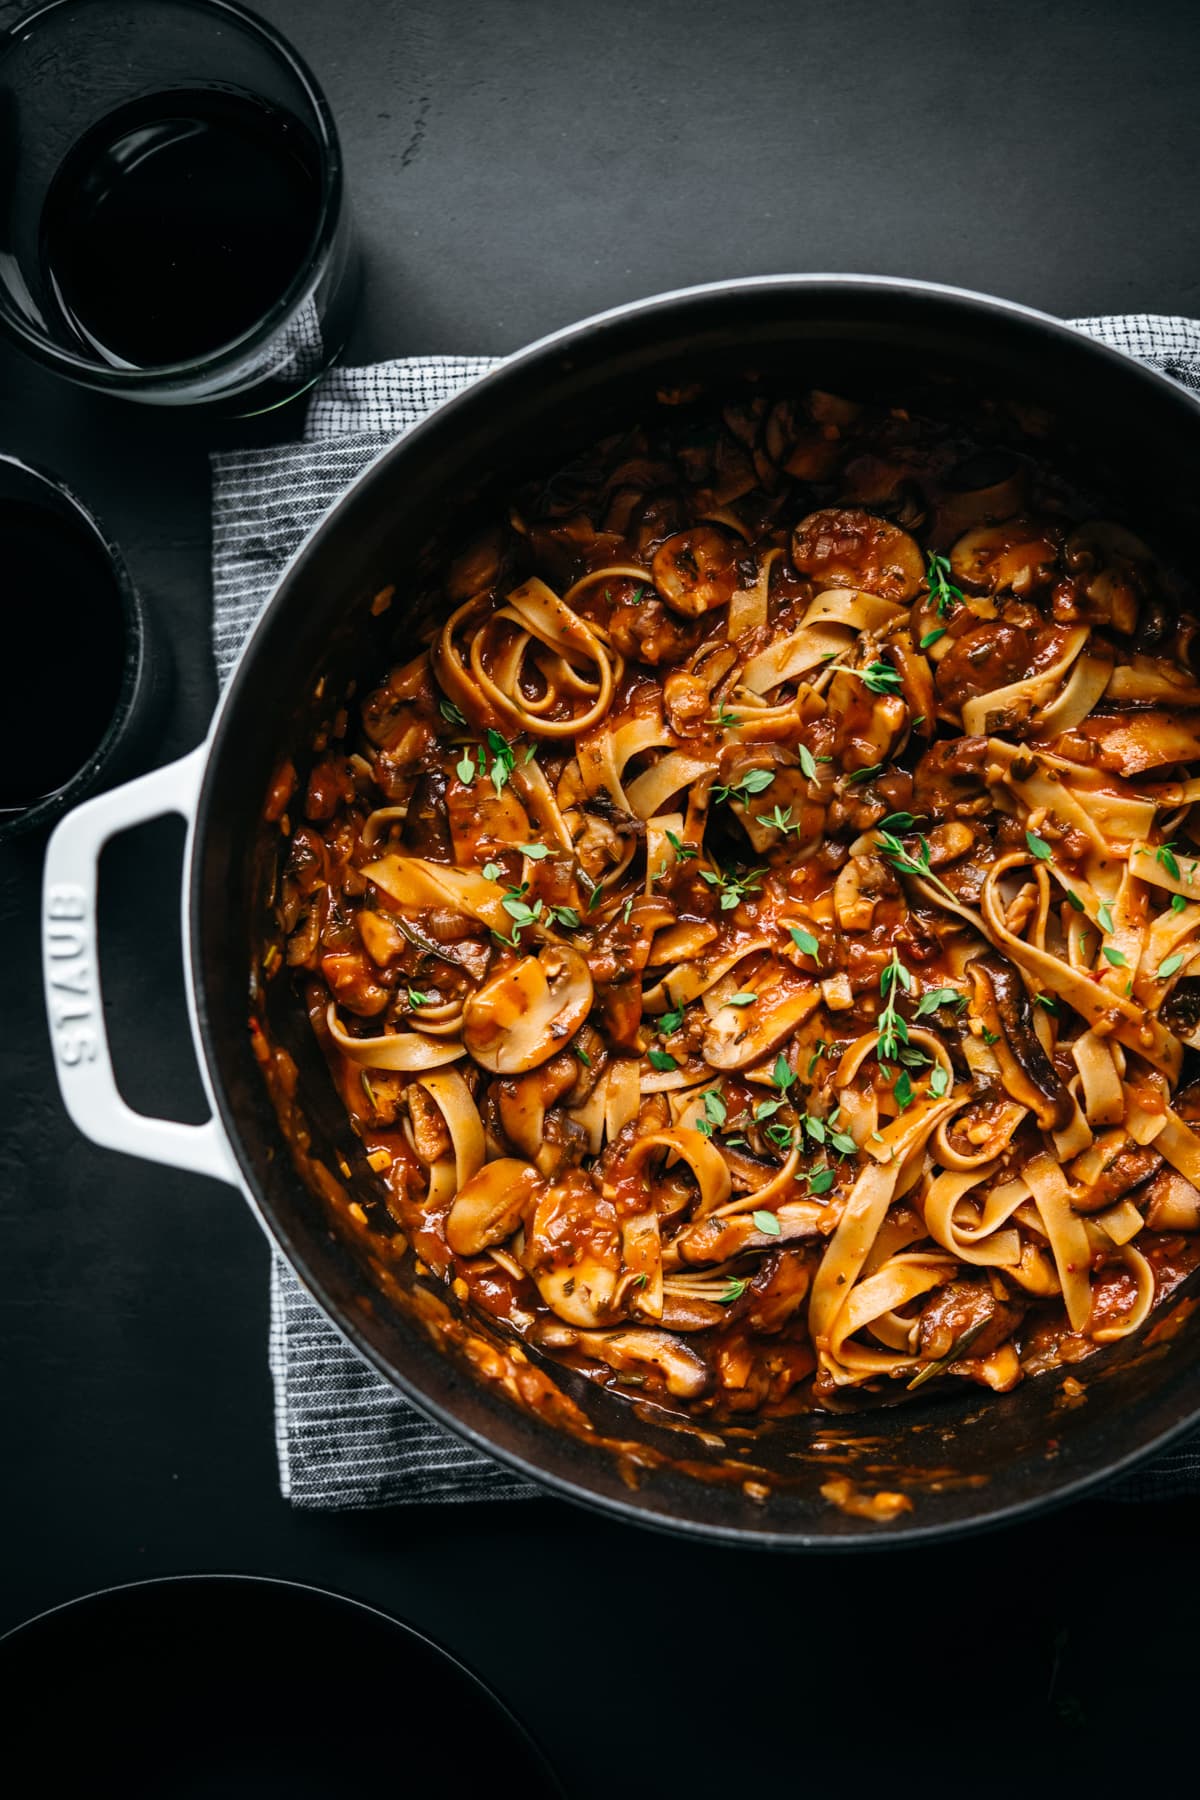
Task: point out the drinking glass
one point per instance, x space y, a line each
174 227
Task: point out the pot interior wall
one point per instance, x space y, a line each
964 1457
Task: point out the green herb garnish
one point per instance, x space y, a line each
942 590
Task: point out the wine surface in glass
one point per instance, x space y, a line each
177 222
60 611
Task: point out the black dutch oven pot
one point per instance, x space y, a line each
965 1458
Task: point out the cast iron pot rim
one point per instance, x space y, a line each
659 1517
348 1602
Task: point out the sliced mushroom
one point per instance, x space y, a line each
725 1235
490 1206
572 1250
984 489
739 1035
522 1102
684 1312
1173 1204
1114 569
966 1313
696 570
1016 557
682 1372
858 889
844 546
1002 1002
1108 1169
522 1016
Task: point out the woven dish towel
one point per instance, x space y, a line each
346 1439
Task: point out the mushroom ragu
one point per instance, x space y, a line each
755 936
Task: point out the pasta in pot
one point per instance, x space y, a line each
757 937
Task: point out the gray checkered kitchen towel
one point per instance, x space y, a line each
345 1437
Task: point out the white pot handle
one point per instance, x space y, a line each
74 1006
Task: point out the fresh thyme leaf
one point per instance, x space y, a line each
683 851
904 864
465 769
1074 900
941 589
595 898
860 775
843 1143
780 1135
661 1059
1104 915
535 852
734 1291
1039 847
754 781
734 888
671 1021
820 1180
931 637
627 910
451 713
815 1058
766 1109
582 1054
939 1082
815 1129
1178 903
417 998
808 762
897 821
783 1075
990 1037
1168 966
529 755
503 759
518 910
1048 1001
767 1223
741 999
1115 957
715 1109
781 820
724 720
566 915
490 871
903 1089
881 678
1166 858
805 942
938 997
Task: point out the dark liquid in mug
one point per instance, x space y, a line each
176 224
60 611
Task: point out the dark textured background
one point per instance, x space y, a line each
516 166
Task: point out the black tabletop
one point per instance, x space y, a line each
516 165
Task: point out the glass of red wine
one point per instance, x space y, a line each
80 716
173 222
